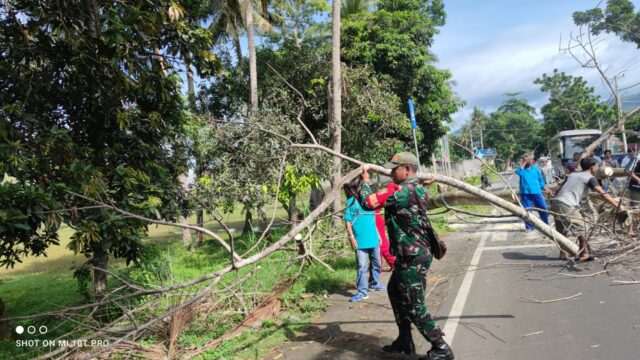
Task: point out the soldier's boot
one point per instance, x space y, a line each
440 350
404 342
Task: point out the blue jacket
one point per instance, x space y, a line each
531 180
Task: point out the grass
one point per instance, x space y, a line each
302 301
46 284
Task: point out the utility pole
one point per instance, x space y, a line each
619 113
481 142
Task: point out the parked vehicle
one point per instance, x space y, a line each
565 143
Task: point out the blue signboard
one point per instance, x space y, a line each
486 153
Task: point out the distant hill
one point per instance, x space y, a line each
630 102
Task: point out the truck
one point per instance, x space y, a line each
565 143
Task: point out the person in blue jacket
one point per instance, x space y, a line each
532 185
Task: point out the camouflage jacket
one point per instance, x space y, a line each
405 218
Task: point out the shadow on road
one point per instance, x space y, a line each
521 256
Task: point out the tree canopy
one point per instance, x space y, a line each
572 104
394 40
90 105
619 17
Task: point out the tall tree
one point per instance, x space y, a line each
227 23
336 95
253 72
572 104
395 40
90 106
512 129
354 7
619 17
478 120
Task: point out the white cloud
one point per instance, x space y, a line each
511 60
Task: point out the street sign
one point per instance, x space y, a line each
486 153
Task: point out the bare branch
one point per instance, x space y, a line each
226 246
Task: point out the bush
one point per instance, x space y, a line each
152 269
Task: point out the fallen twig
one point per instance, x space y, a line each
620 256
434 286
553 300
585 275
533 333
626 282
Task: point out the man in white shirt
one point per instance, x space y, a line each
630 156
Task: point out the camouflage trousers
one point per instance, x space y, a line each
406 291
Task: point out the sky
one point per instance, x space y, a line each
494 47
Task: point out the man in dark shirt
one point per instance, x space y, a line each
633 171
566 205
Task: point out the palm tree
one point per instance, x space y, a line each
336 93
232 17
352 7
228 23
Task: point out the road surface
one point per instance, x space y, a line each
500 295
510 307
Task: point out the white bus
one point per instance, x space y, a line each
565 143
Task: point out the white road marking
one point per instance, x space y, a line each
461 298
513 247
458 305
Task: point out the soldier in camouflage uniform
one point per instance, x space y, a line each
405 206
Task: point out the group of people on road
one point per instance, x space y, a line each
406 248
405 203
565 204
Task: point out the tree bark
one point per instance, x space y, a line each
458 197
316 197
292 210
236 45
253 72
336 81
99 261
186 233
248 222
191 95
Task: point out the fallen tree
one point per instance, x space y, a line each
460 197
485 196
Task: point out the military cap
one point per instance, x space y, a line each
403 158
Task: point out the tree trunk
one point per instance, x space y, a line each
200 222
458 198
236 45
336 80
253 73
6 332
191 91
316 197
186 233
248 222
99 261
292 211
191 95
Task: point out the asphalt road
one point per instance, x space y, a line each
495 310
498 295
512 179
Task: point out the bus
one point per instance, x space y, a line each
565 143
